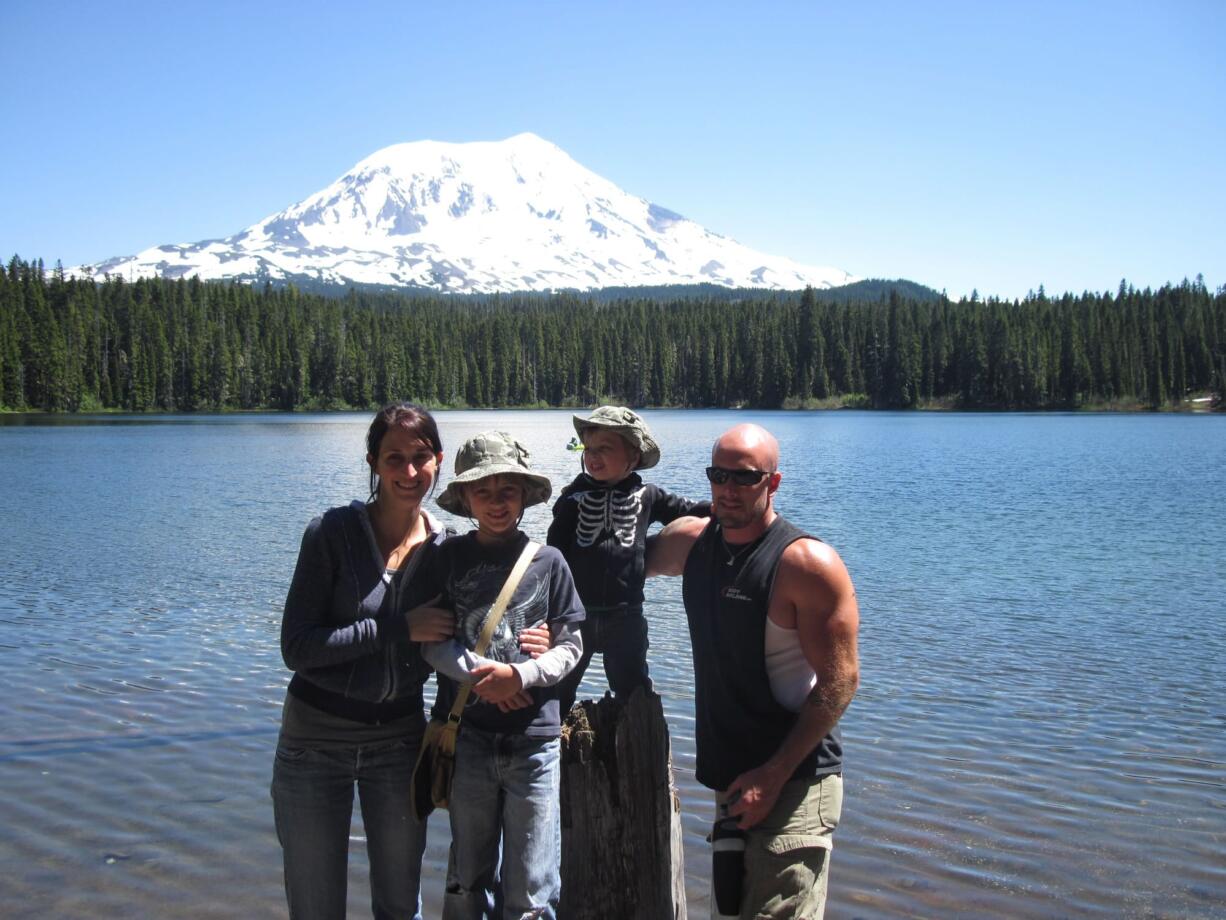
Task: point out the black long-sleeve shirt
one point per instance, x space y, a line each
601 531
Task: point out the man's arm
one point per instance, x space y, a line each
812 585
668 550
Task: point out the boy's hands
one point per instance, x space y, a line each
534 640
496 682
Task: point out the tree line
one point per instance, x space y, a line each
69 344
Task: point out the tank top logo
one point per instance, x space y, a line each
733 593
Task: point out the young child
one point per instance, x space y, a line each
505 794
600 524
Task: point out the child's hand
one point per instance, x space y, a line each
428 623
518 701
496 682
534 641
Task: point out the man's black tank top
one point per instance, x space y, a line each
739 723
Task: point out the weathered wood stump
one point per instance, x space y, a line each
621 819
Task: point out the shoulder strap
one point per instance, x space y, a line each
492 621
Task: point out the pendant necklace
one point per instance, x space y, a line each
734 557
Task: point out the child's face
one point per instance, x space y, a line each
496 503
607 456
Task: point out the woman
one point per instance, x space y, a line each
354 711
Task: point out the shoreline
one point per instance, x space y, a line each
1200 405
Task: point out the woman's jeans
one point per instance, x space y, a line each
312 794
505 792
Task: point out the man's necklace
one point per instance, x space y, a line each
735 557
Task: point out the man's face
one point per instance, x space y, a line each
736 506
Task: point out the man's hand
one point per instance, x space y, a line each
535 641
496 682
755 793
428 623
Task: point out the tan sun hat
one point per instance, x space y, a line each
630 425
493 453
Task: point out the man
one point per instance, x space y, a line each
773 622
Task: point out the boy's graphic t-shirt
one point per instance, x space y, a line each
472 576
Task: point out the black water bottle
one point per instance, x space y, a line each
727 864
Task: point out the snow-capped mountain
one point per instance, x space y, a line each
513 215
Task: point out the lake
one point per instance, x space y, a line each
1039 731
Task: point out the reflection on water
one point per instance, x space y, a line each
1039 730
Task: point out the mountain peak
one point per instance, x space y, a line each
487 216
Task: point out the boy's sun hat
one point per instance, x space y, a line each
493 453
630 425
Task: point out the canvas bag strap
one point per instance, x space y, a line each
491 623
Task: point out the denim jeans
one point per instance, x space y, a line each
312 794
621 638
505 792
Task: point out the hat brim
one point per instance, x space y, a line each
537 488
649 451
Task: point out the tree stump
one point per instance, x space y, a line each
621 818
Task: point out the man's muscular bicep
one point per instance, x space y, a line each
821 593
668 550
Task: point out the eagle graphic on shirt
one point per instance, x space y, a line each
473 593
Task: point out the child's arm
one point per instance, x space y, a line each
565 518
563 618
448 656
498 682
451 658
667 507
564 653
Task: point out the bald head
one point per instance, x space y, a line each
751 441
744 508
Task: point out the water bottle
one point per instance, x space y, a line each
727 864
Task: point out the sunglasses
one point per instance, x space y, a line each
718 475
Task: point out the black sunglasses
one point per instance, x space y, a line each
718 475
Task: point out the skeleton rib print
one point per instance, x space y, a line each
605 510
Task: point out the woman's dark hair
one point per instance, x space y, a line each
414 419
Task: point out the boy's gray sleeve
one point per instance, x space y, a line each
564 653
452 659
565 614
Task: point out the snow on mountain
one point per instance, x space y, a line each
513 215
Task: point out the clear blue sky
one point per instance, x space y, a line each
990 145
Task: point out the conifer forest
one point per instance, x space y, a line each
71 345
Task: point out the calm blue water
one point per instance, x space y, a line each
1039 730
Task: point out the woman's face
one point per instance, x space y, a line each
406 468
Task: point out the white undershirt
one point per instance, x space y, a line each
791 677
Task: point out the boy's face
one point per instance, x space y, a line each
607 456
496 503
